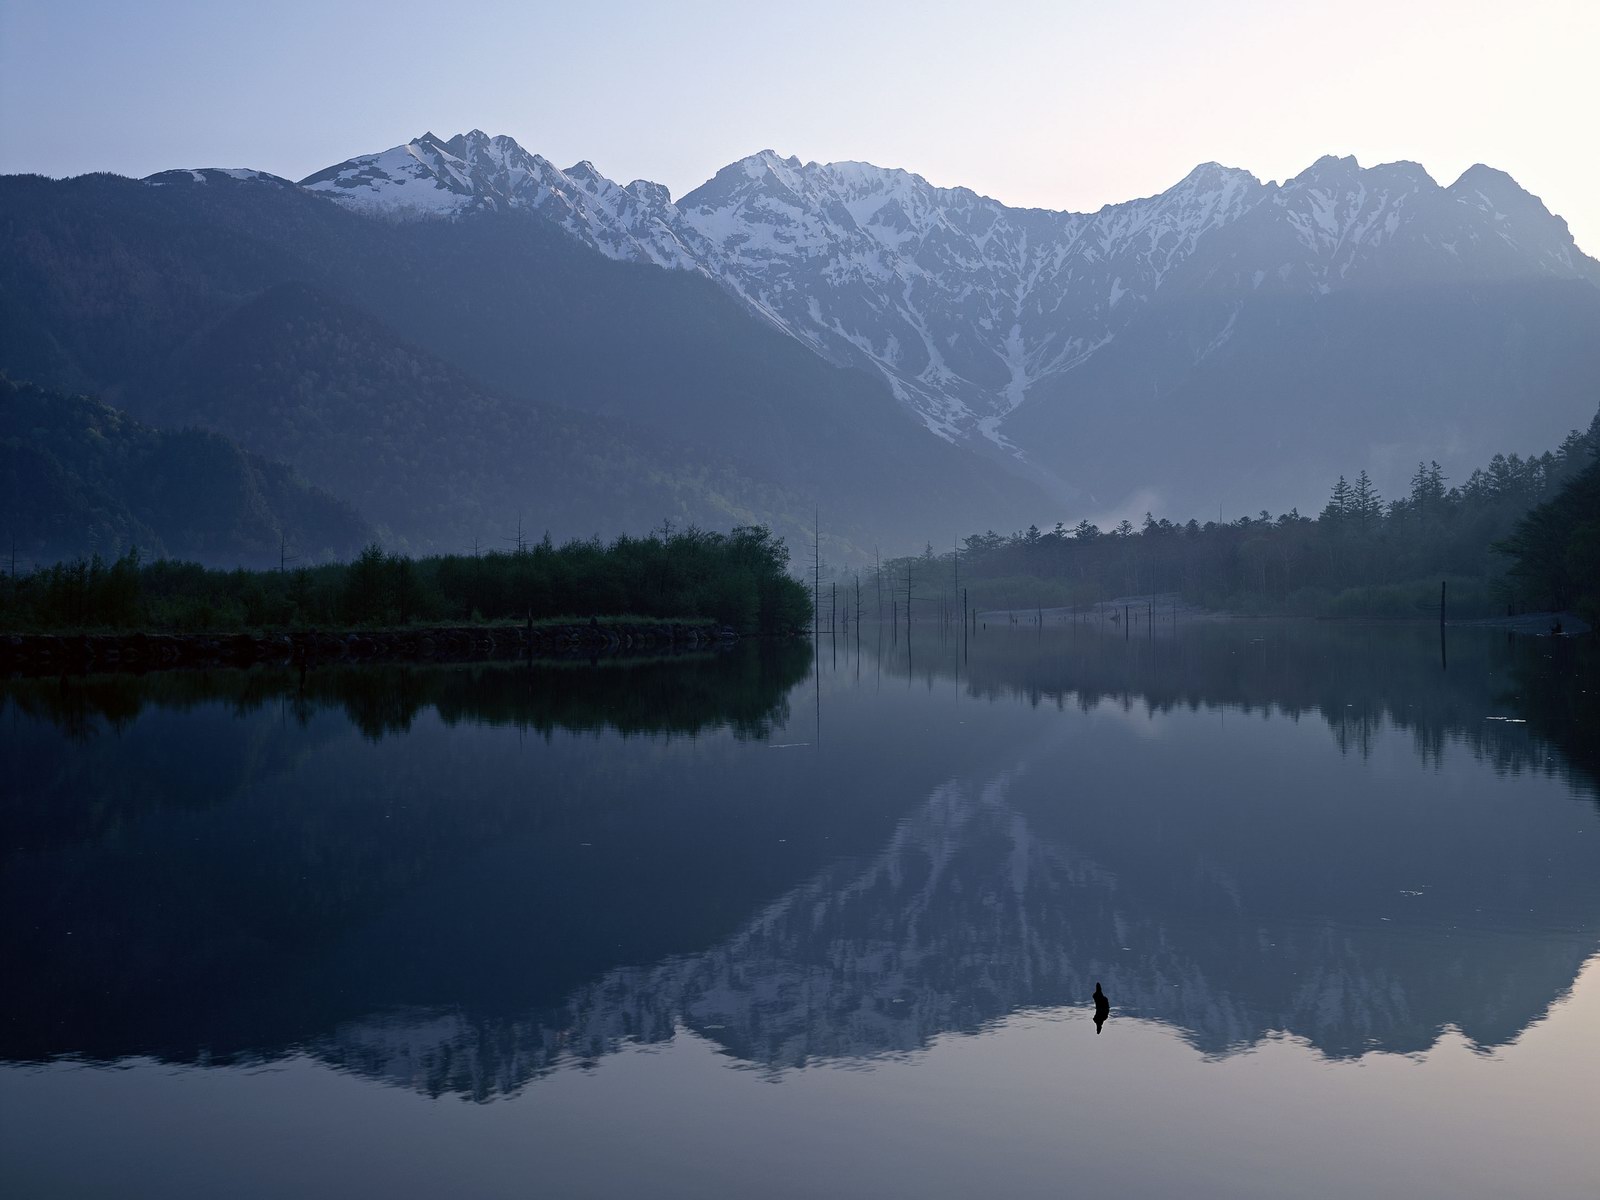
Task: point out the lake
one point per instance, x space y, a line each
754 924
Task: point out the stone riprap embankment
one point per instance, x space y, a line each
50 653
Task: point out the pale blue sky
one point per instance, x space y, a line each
1063 105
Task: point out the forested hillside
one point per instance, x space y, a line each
79 477
446 463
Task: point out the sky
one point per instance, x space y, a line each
1063 105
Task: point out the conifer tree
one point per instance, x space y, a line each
1338 507
1365 505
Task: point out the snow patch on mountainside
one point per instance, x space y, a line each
210 174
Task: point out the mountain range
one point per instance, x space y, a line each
916 361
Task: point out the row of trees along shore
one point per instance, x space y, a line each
1521 535
739 579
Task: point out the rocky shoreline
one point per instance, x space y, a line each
33 654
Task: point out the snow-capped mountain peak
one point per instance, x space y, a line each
473 172
965 304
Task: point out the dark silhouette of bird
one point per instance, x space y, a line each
1102 1007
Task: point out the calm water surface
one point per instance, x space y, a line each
754 925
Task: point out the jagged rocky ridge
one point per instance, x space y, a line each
967 306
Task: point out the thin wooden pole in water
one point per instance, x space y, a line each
816 614
1444 661
955 583
908 605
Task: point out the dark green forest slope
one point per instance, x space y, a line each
79 477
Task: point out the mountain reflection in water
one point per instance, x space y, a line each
1243 830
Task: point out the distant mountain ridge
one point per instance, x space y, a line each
970 308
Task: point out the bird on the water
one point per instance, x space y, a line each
1102 1007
